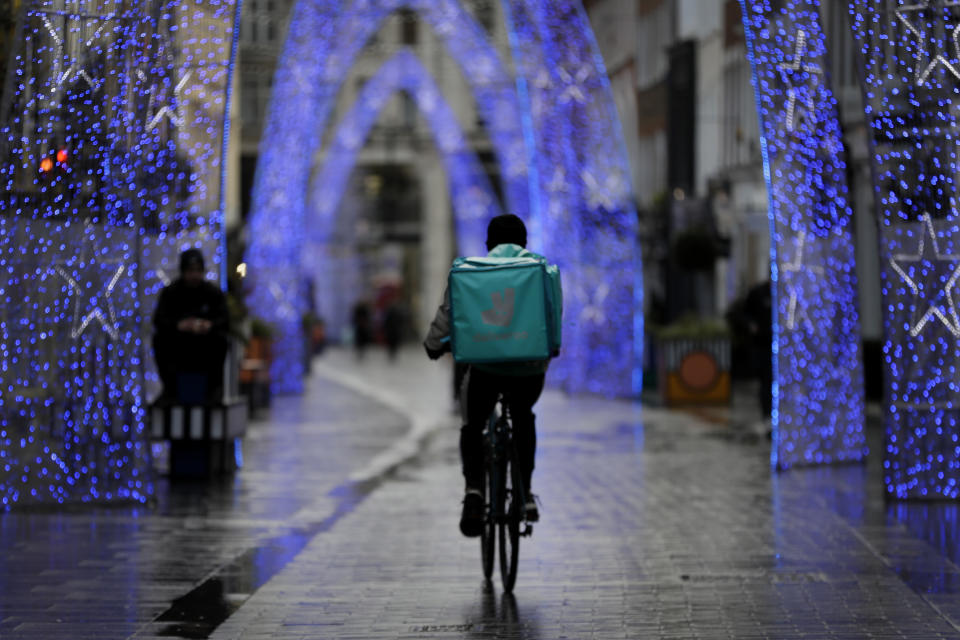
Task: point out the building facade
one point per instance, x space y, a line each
696 158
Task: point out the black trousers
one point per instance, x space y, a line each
178 352
520 394
763 365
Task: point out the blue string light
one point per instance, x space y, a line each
323 41
818 404
111 165
474 201
473 198
580 214
910 67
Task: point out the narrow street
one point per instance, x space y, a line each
343 524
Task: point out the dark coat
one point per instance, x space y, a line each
178 301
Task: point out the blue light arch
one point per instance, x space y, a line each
565 169
473 198
910 75
818 395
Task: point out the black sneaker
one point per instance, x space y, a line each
471 520
531 512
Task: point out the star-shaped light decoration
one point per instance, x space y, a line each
593 301
606 194
77 68
942 305
573 84
301 76
91 300
542 80
163 276
175 113
285 308
798 74
795 309
558 182
170 109
927 63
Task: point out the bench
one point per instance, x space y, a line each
204 439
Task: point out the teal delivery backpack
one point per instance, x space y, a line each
504 309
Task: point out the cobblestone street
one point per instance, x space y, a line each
343 524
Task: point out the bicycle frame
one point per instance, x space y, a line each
498 447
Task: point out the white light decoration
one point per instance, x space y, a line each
908 56
818 393
923 266
809 76
87 311
925 64
793 271
104 185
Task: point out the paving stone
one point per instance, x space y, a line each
656 524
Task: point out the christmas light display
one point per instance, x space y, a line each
553 125
473 198
583 194
110 156
910 59
323 41
818 394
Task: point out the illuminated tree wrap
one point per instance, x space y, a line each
111 160
818 393
910 73
555 130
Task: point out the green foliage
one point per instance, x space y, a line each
692 326
261 329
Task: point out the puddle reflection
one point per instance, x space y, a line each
925 568
919 541
500 617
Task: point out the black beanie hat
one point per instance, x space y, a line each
506 229
191 258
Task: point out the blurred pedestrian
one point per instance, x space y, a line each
393 321
190 342
362 328
758 312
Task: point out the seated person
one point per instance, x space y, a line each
190 343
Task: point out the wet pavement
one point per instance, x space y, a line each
343 524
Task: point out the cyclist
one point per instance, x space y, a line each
520 383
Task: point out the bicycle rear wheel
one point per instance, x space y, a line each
488 535
509 525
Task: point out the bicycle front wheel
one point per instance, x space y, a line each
488 535
509 524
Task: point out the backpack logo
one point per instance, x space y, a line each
502 313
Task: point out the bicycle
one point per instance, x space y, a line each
505 498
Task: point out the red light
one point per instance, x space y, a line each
46 165
62 156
